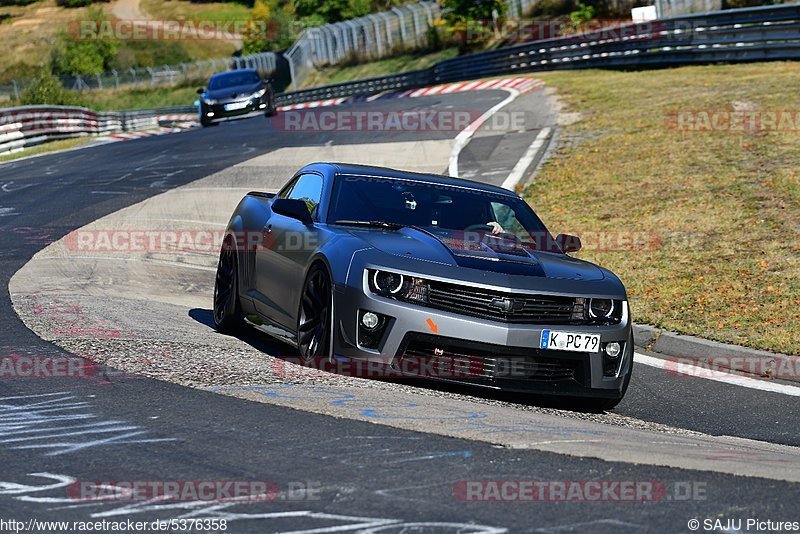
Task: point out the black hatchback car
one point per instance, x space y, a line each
235 92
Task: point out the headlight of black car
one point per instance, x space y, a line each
604 311
398 286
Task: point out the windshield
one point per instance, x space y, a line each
464 218
233 79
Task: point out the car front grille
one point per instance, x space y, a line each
505 307
465 361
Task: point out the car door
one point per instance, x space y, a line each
288 245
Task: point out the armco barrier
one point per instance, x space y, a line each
736 35
26 126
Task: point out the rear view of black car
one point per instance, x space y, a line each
233 93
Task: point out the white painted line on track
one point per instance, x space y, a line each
525 161
693 371
466 134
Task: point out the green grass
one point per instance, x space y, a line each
142 97
382 67
28 33
61 144
723 207
185 93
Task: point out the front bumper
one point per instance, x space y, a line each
218 111
487 353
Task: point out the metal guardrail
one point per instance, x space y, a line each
740 35
754 34
26 126
370 37
367 86
737 35
154 76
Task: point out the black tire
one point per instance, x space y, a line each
601 405
315 317
227 308
205 123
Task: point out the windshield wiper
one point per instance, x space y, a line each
372 224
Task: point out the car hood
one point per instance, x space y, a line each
411 243
234 92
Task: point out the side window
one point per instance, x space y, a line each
308 188
284 193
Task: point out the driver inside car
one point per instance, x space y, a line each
468 216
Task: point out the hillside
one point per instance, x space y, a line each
30 32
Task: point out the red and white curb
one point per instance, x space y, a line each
319 104
180 123
521 84
180 117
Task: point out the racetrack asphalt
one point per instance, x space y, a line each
390 475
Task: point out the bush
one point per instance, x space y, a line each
149 54
47 89
269 29
72 56
336 10
463 11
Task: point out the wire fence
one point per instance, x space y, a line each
371 37
366 38
769 33
152 76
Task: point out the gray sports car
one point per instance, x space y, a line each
424 275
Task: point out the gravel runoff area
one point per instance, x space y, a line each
147 313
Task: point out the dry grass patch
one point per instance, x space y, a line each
723 206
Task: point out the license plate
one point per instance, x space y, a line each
573 341
235 105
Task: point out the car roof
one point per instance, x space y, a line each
385 172
227 72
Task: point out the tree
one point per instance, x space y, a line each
47 89
269 28
89 55
334 10
465 11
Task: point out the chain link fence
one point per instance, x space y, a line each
366 38
152 76
371 37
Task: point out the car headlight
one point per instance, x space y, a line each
259 93
398 286
601 308
604 311
209 101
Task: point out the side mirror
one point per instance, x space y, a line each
294 208
201 90
568 243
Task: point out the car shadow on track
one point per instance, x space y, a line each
286 352
252 337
